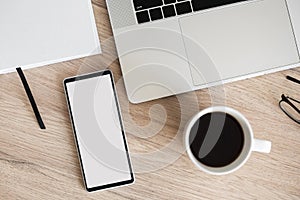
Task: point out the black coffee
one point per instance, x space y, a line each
216 139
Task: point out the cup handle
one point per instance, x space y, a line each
262 146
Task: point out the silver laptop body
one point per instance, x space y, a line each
168 47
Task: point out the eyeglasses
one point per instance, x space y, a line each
290 106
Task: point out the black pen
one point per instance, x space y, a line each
31 99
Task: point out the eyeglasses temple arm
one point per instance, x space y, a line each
293 79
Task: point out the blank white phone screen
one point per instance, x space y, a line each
101 144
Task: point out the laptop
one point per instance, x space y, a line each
168 47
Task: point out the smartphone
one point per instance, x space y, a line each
98 130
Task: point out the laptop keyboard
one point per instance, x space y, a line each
151 10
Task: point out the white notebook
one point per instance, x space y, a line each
35 33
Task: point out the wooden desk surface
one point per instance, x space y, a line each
43 164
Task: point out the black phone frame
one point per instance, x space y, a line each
87 76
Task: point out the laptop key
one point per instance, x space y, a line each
169 1
183 8
146 4
169 11
142 17
156 14
206 4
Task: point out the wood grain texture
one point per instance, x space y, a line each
43 164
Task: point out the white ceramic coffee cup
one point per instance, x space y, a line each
250 144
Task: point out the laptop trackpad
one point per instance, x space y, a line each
239 40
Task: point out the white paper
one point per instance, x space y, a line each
36 33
